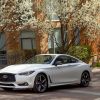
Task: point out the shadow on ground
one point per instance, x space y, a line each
52 89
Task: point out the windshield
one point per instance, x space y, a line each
41 59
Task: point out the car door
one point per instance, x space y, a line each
66 70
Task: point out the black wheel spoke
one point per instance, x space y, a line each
43 81
39 87
40 78
38 83
43 86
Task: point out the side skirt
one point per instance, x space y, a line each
67 83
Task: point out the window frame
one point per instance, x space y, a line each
31 38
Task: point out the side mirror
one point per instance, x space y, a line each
58 63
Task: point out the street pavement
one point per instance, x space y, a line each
69 92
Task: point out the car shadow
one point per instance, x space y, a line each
63 87
52 89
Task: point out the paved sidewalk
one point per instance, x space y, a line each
96 70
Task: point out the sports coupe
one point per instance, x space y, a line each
44 71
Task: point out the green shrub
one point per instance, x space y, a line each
98 64
81 52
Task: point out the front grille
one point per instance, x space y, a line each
7 77
6 84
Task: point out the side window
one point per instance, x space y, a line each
65 60
58 61
71 60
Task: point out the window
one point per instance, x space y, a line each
2 41
54 40
54 17
66 60
41 59
3 55
3 58
71 60
28 40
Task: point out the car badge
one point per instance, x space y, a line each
5 76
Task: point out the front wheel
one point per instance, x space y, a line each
85 79
40 83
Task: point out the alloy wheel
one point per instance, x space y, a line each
85 79
40 84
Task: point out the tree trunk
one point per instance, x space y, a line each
62 38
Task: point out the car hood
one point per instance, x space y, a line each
23 67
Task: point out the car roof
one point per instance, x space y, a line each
55 54
52 54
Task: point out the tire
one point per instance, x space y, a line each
40 83
7 89
85 79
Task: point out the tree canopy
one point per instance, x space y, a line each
18 12
84 14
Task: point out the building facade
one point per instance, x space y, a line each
18 46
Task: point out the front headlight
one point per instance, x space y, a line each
26 73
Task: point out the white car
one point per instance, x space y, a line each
44 71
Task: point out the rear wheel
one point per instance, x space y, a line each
41 83
85 79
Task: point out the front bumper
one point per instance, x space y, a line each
21 82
